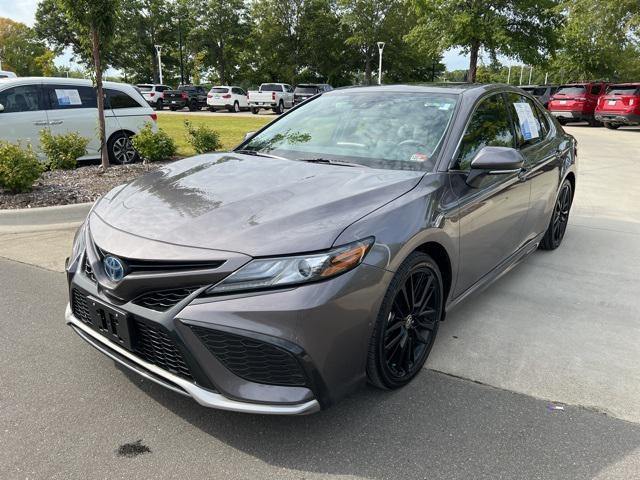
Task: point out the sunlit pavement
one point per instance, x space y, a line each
563 326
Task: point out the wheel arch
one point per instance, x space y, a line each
440 255
121 130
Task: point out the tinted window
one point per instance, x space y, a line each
572 90
623 90
270 87
21 99
307 89
117 99
525 134
540 91
490 125
219 90
145 88
65 97
596 89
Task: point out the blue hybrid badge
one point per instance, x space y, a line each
113 267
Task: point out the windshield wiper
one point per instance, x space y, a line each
258 154
326 161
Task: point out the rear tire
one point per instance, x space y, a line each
193 106
594 123
255 110
236 107
559 219
120 149
407 323
280 108
612 126
173 109
212 110
159 104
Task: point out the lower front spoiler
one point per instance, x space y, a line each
151 372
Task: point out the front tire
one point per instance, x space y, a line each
560 218
193 106
120 149
407 323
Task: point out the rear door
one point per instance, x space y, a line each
492 215
24 114
74 108
540 147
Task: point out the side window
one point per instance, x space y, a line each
527 125
241 92
117 99
25 98
490 125
596 89
235 91
66 97
543 120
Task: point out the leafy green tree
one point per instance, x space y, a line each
21 51
523 29
87 26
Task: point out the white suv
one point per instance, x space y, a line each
62 105
233 99
153 94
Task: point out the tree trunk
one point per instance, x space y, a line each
473 61
100 97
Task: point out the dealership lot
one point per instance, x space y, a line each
563 326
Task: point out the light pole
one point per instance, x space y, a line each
159 50
509 76
380 48
530 74
521 70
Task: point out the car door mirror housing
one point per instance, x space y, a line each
248 135
494 161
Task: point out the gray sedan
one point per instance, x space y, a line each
324 251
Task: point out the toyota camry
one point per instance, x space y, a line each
324 251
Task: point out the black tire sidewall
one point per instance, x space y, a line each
112 157
548 242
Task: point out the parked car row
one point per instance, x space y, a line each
270 96
598 103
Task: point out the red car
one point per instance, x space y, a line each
577 102
620 105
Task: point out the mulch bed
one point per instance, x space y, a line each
84 184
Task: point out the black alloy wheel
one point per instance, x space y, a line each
560 218
159 104
407 324
120 149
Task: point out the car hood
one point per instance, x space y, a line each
253 205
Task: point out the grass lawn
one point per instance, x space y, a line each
231 129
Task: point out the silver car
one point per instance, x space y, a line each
324 251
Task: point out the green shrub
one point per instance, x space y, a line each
153 146
63 150
203 139
19 167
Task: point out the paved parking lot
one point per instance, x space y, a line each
564 326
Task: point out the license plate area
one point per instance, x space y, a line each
111 322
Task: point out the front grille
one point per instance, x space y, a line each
251 359
163 300
151 342
155 346
88 270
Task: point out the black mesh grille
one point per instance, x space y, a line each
251 359
155 346
88 270
151 342
164 299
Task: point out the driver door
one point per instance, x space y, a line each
493 215
24 115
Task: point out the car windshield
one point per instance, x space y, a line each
307 89
376 129
572 90
145 88
219 90
624 90
270 87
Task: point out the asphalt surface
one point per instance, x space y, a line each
67 412
563 326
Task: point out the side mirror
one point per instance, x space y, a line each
248 135
1 108
494 161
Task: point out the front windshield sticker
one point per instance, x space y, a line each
68 97
528 124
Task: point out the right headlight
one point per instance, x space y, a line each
295 270
78 243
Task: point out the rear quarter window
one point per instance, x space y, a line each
117 99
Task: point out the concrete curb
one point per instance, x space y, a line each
39 219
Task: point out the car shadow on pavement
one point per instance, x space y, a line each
436 427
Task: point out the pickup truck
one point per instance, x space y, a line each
192 96
274 96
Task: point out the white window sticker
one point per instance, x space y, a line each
68 97
528 123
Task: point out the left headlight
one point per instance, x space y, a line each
265 273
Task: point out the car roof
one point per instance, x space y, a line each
81 82
620 84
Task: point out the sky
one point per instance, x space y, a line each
24 11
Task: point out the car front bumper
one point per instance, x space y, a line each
317 332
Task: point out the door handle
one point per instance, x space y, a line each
40 123
56 122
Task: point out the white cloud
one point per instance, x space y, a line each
19 10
